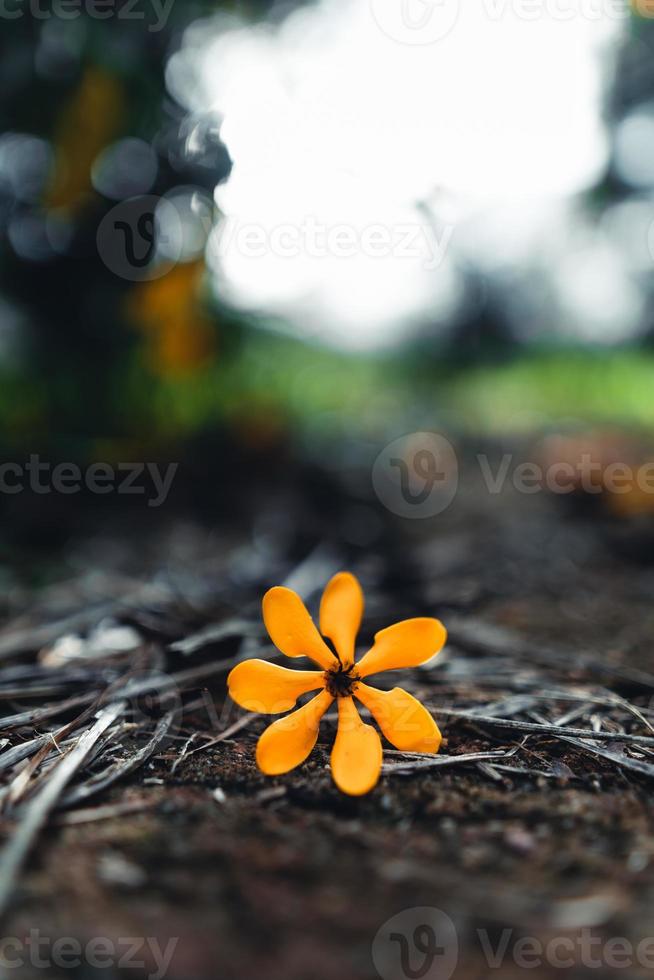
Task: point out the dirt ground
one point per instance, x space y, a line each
522 865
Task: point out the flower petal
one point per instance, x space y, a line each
406 644
341 611
267 688
288 741
357 753
291 628
404 721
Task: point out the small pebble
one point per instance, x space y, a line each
115 869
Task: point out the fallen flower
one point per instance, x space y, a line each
260 686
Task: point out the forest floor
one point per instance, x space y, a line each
536 856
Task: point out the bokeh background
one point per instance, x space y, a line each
508 157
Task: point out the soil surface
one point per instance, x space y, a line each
537 858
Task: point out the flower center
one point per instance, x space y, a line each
341 681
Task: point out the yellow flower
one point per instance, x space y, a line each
260 686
